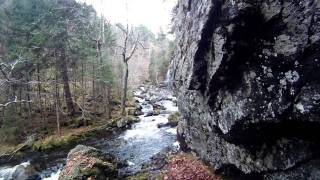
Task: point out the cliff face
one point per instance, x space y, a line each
247 76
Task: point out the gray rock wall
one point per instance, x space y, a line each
247 77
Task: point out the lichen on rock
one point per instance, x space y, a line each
246 74
86 162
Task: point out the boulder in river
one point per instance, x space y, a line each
127 121
173 119
247 78
86 162
134 111
161 125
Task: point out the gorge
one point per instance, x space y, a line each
235 95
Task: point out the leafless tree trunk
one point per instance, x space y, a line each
124 88
125 58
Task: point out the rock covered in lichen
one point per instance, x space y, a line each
86 162
246 74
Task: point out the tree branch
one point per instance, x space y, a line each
134 48
14 101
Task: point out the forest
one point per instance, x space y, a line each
62 65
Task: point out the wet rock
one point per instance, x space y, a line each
156 112
165 112
173 119
123 122
130 111
150 113
86 162
126 122
161 125
138 113
134 111
25 173
22 171
159 160
246 74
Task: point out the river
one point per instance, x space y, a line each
135 145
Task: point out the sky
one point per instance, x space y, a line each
154 14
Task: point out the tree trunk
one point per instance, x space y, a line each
57 105
65 78
20 98
124 89
39 95
28 98
93 87
83 92
108 108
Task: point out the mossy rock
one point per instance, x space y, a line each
174 118
131 111
81 121
133 119
53 142
100 170
127 121
139 176
156 111
86 162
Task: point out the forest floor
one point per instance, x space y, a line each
71 131
186 166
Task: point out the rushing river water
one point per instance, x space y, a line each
135 145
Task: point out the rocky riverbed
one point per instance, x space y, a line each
133 147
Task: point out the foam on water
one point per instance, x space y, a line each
7 171
170 106
146 128
172 130
53 176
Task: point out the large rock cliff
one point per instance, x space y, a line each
247 76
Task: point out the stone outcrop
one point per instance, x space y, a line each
86 162
247 77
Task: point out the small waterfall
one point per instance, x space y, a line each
168 79
8 172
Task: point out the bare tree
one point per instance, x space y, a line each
8 80
129 41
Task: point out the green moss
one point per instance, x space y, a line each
157 110
81 121
130 111
139 176
174 118
100 170
133 119
52 142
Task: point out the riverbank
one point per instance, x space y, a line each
129 141
69 136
